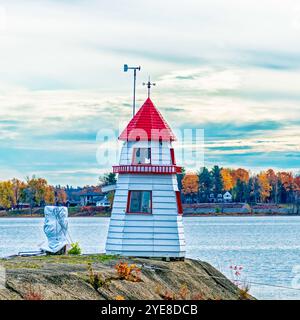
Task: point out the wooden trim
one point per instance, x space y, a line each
172 156
179 204
128 203
140 213
147 169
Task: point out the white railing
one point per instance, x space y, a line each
148 168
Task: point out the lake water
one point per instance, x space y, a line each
268 248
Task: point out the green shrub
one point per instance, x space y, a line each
75 249
95 278
218 210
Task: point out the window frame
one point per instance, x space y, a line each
133 160
129 201
179 203
172 153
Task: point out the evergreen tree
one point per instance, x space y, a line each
205 184
256 190
217 180
240 191
108 179
180 176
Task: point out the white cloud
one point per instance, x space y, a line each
215 63
75 45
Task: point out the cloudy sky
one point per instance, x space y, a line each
231 68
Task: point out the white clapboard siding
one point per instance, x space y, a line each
149 236
160 234
152 217
152 254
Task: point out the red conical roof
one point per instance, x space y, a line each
147 124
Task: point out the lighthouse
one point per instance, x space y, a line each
146 219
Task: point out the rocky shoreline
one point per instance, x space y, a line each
95 277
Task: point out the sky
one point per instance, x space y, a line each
229 68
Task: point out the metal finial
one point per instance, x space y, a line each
149 84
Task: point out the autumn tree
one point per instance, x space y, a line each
6 194
297 183
286 186
18 190
297 194
273 181
227 179
240 174
49 196
38 192
265 186
190 185
60 195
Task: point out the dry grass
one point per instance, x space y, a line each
183 294
128 272
32 294
244 291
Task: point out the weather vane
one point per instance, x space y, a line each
126 68
149 85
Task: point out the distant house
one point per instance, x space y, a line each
227 197
219 197
211 198
104 202
90 196
73 196
23 205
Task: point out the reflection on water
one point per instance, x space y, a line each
267 247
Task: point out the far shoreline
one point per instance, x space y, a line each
11 216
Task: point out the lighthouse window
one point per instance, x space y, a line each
141 156
139 202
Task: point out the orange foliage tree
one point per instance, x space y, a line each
38 191
18 187
265 186
190 183
227 178
272 177
49 196
6 194
240 174
60 195
287 180
297 183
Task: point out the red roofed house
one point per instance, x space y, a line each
146 218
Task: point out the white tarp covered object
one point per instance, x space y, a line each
55 228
